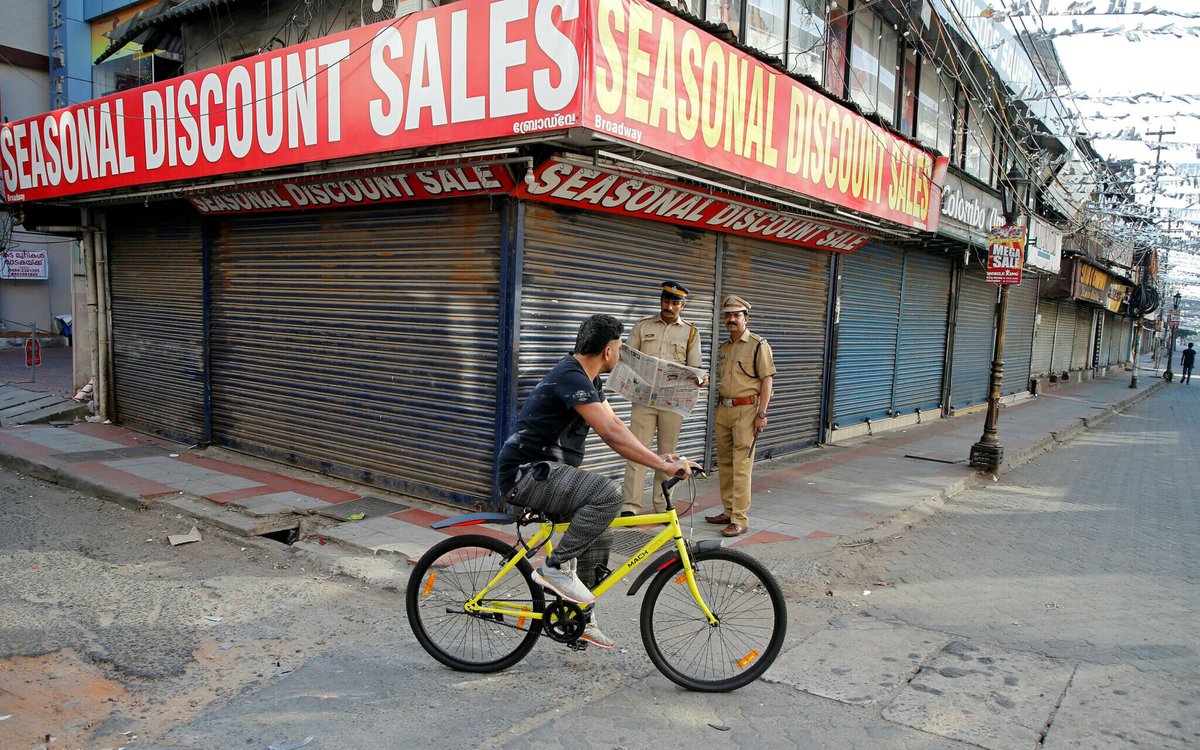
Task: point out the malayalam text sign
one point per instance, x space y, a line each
24 264
1006 251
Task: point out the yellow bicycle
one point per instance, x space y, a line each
712 620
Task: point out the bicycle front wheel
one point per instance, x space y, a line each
752 616
446 578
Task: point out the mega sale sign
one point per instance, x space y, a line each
475 70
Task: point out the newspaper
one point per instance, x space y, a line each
656 382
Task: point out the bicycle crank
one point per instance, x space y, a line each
563 621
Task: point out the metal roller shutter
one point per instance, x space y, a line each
1018 336
789 290
579 263
1081 351
362 342
974 337
1126 343
156 278
1064 339
924 316
1043 338
871 284
1112 334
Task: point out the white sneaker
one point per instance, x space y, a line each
593 635
564 582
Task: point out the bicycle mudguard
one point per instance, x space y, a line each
473 519
666 560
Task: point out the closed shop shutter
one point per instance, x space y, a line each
1018 338
1064 338
974 337
869 324
156 277
580 263
1126 339
362 342
789 290
1081 351
1043 338
924 315
1112 334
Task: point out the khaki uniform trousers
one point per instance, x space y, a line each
734 430
644 422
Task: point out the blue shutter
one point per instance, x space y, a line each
924 314
974 337
866 334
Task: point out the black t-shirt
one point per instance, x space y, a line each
548 427
1189 357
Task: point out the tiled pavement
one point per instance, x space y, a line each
814 500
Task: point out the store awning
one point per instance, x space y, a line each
149 27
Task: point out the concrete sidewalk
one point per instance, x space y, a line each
845 493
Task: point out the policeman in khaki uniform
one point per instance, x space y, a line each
745 379
666 336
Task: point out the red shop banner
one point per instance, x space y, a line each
663 84
617 192
466 71
360 189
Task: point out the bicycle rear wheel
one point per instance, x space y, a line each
746 599
449 575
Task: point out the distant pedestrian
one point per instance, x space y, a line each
667 336
1187 358
746 377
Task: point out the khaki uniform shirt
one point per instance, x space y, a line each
735 365
666 341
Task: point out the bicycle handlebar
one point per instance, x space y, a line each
669 483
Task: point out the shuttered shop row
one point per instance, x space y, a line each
891 339
1018 336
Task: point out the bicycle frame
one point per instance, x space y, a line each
670 532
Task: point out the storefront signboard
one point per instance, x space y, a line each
482 70
24 264
1006 248
617 192
1114 296
1044 249
360 189
968 212
1091 284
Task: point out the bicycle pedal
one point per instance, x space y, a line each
601 572
580 645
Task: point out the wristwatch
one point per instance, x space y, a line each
762 415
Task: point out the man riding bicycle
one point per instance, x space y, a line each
539 463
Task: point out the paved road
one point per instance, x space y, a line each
1056 608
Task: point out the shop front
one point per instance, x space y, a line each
338 277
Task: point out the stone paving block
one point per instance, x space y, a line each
986 696
182 475
1116 704
223 518
855 660
278 502
64 441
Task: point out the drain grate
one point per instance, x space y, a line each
133 451
370 507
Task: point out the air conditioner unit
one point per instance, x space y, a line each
374 11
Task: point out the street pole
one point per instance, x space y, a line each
1137 335
987 454
1173 319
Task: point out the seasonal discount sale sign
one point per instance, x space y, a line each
475 70
471 70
